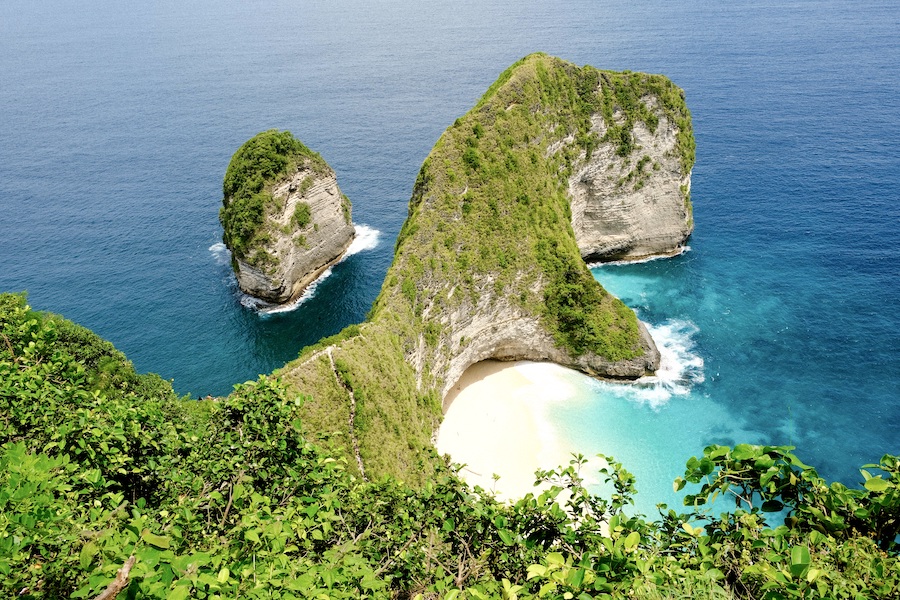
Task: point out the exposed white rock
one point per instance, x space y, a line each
300 253
633 207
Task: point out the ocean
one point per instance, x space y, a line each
780 325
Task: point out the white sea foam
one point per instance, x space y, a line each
220 253
680 367
309 292
366 239
679 252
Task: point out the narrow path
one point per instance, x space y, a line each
352 420
316 355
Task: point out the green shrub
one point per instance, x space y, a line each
228 498
302 215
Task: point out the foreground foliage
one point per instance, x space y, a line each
227 498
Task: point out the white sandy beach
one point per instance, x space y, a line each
495 422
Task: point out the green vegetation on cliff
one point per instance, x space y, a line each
102 468
489 231
259 163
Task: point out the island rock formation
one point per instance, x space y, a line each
554 163
285 218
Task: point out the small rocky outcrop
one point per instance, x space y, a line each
285 218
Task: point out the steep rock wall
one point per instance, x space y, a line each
635 206
300 253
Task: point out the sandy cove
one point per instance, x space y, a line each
495 423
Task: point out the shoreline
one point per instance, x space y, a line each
496 422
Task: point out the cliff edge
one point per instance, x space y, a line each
488 264
631 199
285 219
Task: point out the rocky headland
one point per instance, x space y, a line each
556 163
285 218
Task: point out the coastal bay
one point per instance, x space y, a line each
785 295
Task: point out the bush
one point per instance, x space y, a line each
302 215
244 505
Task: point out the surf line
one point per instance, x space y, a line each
366 238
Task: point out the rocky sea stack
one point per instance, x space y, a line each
285 219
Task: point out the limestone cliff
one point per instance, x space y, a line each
488 265
637 205
285 218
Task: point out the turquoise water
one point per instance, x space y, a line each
117 123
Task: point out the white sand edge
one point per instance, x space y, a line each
495 422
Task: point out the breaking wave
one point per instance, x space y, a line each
680 366
367 238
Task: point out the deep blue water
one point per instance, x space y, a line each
117 121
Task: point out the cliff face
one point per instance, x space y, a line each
634 206
301 250
501 330
285 218
488 263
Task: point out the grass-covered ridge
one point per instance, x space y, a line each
488 233
260 163
102 470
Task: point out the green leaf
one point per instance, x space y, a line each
506 536
772 506
555 559
224 574
632 540
536 571
88 551
744 452
877 484
181 592
800 560
800 555
157 541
